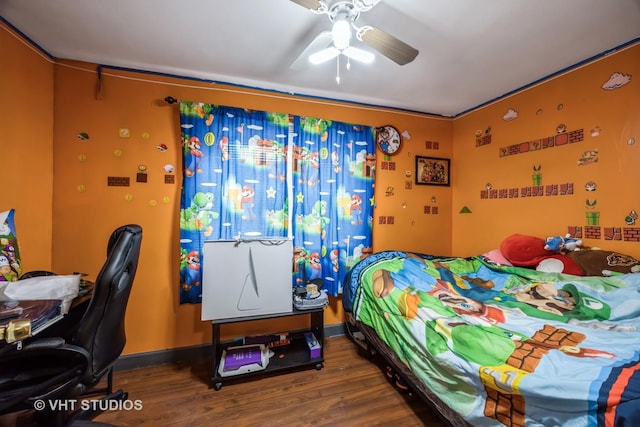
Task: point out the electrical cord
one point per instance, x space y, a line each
276 241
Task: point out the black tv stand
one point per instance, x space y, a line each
291 356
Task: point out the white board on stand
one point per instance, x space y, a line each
246 278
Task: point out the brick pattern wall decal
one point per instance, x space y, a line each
118 181
575 231
627 234
592 232
542 144
483 140
432 145
631 234
612 233
382 219
385 165
596 232
430 210
565 189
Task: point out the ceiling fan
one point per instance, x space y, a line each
343 15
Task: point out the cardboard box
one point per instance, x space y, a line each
315 350
270 340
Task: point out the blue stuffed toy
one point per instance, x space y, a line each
562 244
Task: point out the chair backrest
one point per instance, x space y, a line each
101 331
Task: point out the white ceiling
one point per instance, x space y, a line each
471 51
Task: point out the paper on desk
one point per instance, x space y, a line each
65 288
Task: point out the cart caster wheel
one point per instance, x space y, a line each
318 366
217 386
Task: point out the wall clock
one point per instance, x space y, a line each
388 139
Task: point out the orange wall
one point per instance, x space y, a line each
26 141
578 101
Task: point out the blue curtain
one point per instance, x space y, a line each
234 183
333 167
238 166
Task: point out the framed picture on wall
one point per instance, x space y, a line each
432 171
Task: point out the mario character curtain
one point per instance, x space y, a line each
255 174
234 182
333 167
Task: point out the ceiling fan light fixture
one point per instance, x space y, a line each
359 55
341 32
324 55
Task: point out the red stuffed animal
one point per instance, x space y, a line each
528 251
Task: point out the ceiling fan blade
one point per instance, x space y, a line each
322 41
314 5
391 47
359 54
365 5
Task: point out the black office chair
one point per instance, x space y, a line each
37 273
51 369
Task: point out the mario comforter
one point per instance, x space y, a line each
507 345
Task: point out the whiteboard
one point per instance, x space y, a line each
246 277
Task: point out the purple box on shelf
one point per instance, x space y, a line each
314 346
236 357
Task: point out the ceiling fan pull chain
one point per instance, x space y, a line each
338 69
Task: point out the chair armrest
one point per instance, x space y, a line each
42 343
10 350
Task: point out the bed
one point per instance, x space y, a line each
487 344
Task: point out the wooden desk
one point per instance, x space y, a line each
55 325
87 287
68 325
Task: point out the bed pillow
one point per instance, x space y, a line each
10 266
524 251
495 256
595 261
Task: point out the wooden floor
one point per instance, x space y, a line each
348 390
